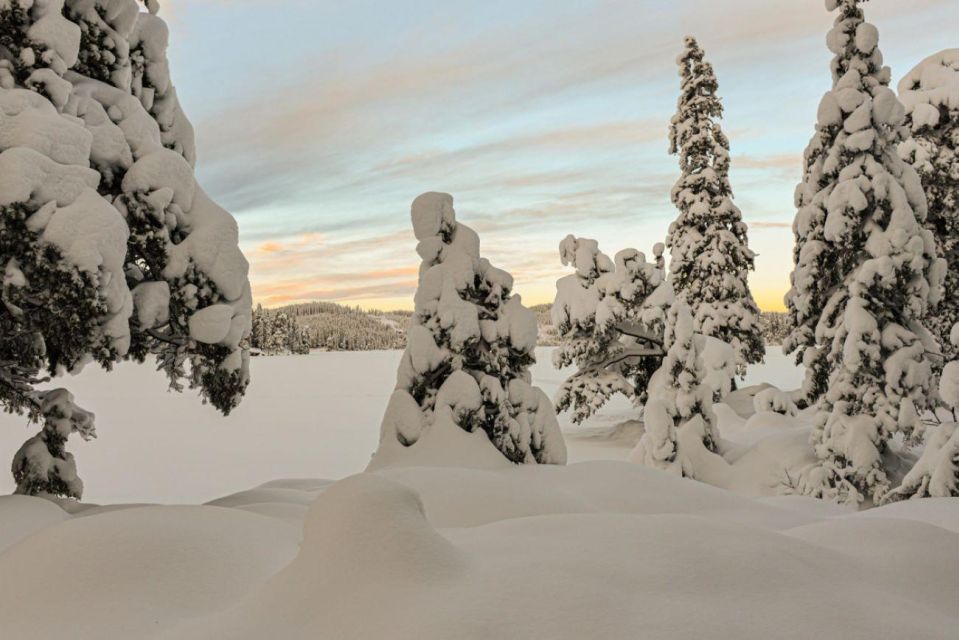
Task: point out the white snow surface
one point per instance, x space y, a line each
600 548
331 405
521 552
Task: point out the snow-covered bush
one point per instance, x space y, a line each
930 93
43 465
469 348
611 317
936 473
865 269
679 407
710 259
109 247
776 401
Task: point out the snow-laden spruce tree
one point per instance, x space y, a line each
865 270
470 345
930 93
936 473
710 259
183 266
678 416
109 247
610 316
65 300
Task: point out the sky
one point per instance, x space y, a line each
319 122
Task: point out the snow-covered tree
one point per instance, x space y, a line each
936 473
678 415
865 269
469 349
151 84
610 316
65 301
930 93
109 247
710 259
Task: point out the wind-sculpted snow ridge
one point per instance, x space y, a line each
111 249
464 381
434 552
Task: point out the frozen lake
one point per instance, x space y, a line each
314 416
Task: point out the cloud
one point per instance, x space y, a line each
310 267
541 123
357 119
790 161
766 224
305 291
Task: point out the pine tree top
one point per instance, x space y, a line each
854 42
694 132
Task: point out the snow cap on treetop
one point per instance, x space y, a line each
832 5
432 213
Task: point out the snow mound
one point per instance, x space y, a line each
460 553
21 516
444 444
131 572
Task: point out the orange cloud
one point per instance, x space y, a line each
269 247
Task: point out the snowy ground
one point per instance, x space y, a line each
601 549
313 416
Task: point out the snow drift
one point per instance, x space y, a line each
599 550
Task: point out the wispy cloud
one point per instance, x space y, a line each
547 121
777 161
765 224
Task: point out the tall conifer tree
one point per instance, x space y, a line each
865 270
710 259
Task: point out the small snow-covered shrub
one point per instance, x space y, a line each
936 473
710 258
679 410
43 465
469 348
772 399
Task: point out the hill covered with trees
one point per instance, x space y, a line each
298 328
329 326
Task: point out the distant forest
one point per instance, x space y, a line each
328 326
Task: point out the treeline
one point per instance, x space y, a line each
775 326
326 325
298 328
